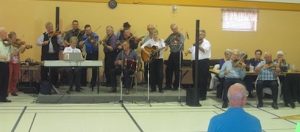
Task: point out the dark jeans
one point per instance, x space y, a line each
203 77
74 77
109 60
146 68
46 71
249 83
227 83
4 75
92 56
260 85
127 79
173 67
156 74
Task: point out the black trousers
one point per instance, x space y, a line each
74 78
156 74
146 68
203 76
45 71
173 67
227 83
127 79
91 56
109 66
4 75
260 85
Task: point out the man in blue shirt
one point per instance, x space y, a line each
233 71
89 45
267 77
235 119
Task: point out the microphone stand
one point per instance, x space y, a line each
179 80
121 77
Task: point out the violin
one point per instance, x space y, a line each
54 33
20 43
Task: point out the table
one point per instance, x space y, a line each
85 63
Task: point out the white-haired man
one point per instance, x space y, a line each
235 119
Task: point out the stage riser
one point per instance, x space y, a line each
70 99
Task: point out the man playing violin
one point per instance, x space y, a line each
89 46
18 47
128 36
156 65
109 43
176 43
233 71
49 42
5 51
125 62
267 77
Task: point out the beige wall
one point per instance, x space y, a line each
276 29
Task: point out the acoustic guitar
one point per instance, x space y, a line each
154 53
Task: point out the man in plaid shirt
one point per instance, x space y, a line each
267 77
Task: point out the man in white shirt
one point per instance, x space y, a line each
203 64
156 65
73 73
4 69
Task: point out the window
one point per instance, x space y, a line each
239 19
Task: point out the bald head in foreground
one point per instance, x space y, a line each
235 119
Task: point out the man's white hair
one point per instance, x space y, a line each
240 95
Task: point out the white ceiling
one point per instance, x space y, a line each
280 1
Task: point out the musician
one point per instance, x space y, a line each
75 31
150 29
203 64
156 65
128 36
122 65
14 64
110 45
233 71
267 77
73 73
5 51
50 43
89 46
126 26
176 43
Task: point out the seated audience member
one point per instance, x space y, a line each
257 59
233 71
235 119
281 61
74 72
267 77
252 63
216 81
284 67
